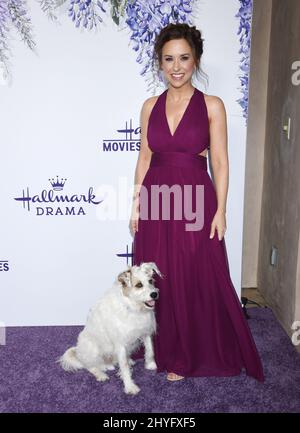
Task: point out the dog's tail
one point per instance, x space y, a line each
69 360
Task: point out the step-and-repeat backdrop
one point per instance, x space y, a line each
72 83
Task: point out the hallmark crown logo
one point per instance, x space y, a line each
54 202
57 185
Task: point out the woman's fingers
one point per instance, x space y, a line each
220 234
212 230
133 226
220 231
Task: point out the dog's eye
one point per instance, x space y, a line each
139 285
151 281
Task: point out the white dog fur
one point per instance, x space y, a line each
121 320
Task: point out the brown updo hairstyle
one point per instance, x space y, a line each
180 31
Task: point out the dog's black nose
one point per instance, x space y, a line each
153 295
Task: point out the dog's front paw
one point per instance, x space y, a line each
109 367
100 376
132 389
151 365
131 361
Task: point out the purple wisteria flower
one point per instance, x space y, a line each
86 13
50 7
13 13
245 15
145 19
19 17
4 47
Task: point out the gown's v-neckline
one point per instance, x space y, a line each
183 116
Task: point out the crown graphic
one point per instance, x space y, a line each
57 184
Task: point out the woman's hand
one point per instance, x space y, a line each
134 218
219 223
134 224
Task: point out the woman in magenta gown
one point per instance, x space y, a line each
201 327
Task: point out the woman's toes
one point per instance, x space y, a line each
174 376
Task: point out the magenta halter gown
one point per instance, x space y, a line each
201 327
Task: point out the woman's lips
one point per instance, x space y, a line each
177 76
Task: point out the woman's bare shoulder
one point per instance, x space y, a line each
213 101
149 103
215 105
148 106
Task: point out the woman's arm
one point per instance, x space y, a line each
145 153
143 161
219 160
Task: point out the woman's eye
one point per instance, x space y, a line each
182 58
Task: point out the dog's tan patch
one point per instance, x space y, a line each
136 283
125 290
125 277
125 280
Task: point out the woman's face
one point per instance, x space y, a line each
177 62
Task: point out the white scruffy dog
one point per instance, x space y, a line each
120 321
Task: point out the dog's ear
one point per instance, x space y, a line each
125 278
151 267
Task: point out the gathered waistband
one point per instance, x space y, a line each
178 159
